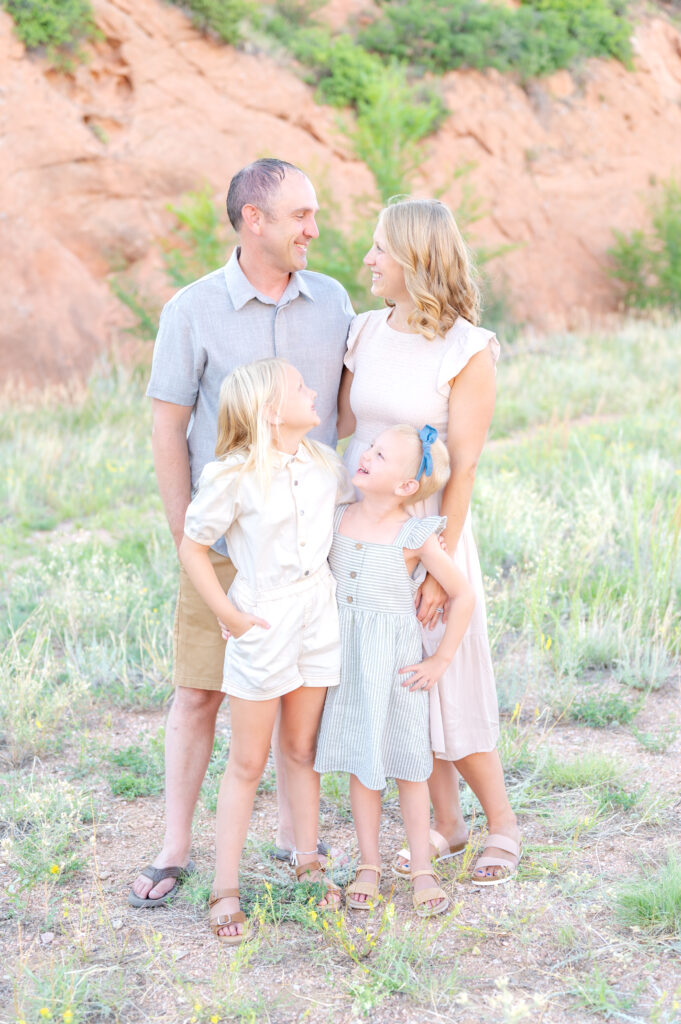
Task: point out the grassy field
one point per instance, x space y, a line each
577 514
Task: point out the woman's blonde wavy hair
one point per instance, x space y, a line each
249 395
422 235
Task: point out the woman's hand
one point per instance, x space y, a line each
426 673
431 603
240 624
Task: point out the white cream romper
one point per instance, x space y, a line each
403 378
279 541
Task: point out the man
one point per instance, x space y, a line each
262 303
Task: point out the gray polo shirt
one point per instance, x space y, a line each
221 321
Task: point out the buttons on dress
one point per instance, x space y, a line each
302 543
358 546
306 573
349 599
352 575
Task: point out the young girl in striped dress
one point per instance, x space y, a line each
375 724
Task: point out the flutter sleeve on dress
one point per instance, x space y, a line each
215 505
416 532
356 328
467 341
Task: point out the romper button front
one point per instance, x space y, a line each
352 575
306 573
302 543
358 546
349 600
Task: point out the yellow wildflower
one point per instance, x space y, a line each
67 1016
54 870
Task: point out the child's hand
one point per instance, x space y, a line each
426 673
242 624
224 629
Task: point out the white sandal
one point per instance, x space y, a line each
443 852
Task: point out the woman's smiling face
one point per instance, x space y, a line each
387 276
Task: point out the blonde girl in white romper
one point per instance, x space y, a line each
272 494
422 359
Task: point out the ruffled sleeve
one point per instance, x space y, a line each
466 341
356 328
215 505
416 532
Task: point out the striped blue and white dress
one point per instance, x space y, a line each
373 726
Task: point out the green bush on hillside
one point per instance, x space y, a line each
223 17
648 264
58 25
537 38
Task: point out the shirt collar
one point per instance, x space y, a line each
242 291
300 455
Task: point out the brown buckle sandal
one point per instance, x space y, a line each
368 889
421 898
330 886
217 921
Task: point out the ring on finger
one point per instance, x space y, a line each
439 611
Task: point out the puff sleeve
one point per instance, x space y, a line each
215 506
467 340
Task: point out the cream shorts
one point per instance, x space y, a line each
301 647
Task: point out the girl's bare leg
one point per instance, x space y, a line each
415 805
443 786
483 772
252 724
301 712
366 814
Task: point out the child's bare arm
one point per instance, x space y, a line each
194 558
462 601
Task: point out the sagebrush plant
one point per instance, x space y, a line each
647 263
60 26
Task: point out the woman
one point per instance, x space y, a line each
423 360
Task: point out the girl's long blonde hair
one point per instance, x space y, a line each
422 235
250 396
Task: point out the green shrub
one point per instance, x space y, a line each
535 39
223 17
653 901
198 241
648 264
58 25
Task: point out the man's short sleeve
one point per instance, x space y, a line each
177 365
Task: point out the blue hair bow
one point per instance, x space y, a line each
427 435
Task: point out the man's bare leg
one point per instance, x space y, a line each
190 730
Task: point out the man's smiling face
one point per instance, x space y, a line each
289 225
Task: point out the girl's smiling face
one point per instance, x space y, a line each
297 410
387 276
385 466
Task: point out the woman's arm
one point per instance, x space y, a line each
461 604
471 405
194 558
346 417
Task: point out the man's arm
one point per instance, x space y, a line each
171 461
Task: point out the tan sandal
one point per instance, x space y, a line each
218 921
443 851
508 867
368 889
330 886
421 898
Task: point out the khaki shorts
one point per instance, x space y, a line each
198 647
301 647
